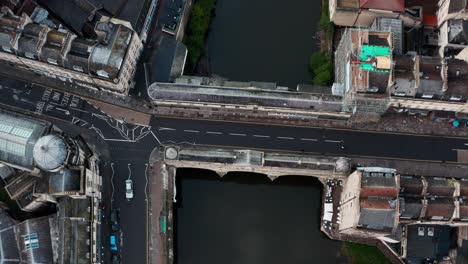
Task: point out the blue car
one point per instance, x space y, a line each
113 243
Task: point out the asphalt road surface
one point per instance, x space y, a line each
311 140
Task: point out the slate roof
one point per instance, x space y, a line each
421 244
34 240
458 33
411 185
9 253
463 188
440 186
377 219
8 250
411 207
75 14
73 228
457 73
456 6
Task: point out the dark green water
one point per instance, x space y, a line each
264 40
247 219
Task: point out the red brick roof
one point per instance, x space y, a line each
390 5
375 204
379 191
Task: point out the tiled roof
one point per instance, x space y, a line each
377 204
379 191
390 5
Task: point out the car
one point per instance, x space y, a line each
115 259
113 243
115 219
129 189
115 215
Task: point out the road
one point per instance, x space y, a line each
132 144
311 140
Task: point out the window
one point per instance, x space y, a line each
31 241
430 231
420 231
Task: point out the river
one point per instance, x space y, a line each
245 218
264 40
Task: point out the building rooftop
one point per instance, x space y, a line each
439 208
17 138
363 61
50 152
457 74
458 31
244 96
456 6
405 79
431 78
65 181
411 185
8 249
427 242
73 227
377 219
440 186
389 5
103 56
410 207
464 188
34 240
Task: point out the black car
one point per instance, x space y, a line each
115 215
115 259
115 219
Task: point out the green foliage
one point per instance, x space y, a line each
325 23
197 29
321 66
364 254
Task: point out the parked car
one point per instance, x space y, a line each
113 243
129 189
115 259
115 215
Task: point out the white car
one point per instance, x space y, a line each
129 189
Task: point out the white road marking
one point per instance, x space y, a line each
333 141
235 134
191 131
214 133
309 139
166 128
466 144
261 136
289 138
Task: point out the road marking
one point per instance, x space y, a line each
289 138
466 144
166 128
214 133
309 139
261 136
191 131
333 141
235 134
